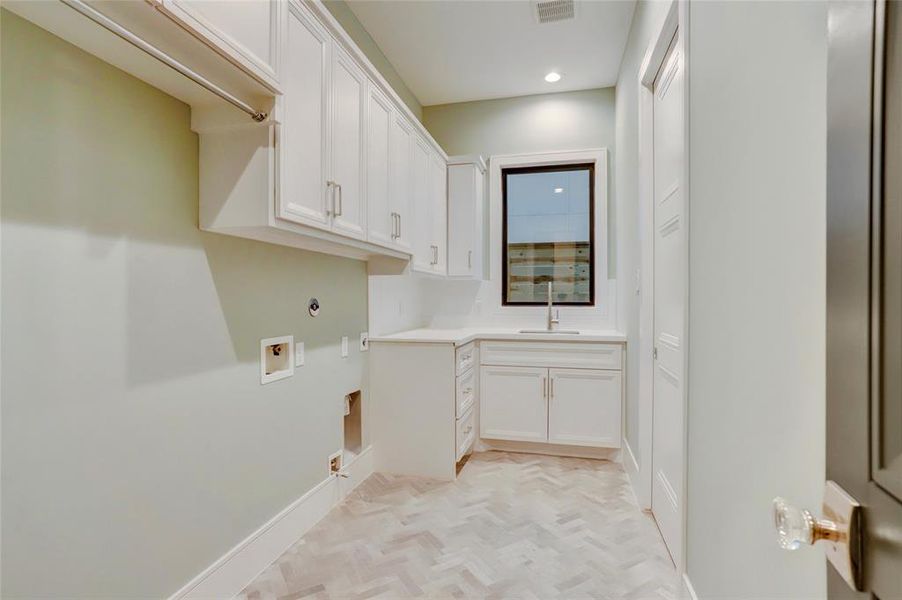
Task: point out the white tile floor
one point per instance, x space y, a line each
511 526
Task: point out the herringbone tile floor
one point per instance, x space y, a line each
511 526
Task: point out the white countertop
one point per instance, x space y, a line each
465 335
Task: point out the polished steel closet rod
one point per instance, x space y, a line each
161 56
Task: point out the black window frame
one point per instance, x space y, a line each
590 166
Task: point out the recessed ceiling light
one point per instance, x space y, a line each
553 77
558 190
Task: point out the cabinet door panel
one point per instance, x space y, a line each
584 407
302 135
462 190
247 32
381 223
423 255
438 184
400 180
348 102
513 404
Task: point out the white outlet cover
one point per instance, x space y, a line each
344 346
364 341
299 354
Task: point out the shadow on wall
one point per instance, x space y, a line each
105 205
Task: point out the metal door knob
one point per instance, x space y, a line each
798 527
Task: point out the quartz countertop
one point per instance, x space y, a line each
465 335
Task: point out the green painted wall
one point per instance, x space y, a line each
353 27
138 445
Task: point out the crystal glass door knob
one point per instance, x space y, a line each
797 528
794 526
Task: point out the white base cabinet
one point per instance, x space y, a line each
526 397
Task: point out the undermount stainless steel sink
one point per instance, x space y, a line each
553 331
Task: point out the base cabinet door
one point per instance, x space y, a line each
584 407
513 403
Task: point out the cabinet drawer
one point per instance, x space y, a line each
466 392
466 433
576 355
466 357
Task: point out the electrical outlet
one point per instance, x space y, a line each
299 354
344 346
364 341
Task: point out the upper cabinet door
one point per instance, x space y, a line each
381 222
461 219
303 139
348 133
438 183
400 181
584 407
246 32
423 242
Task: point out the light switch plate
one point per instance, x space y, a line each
344 346
299 354
364 341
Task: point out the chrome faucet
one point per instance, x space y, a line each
552 321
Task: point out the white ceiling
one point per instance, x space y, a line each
460 50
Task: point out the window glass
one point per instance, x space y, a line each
548 234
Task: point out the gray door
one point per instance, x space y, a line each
864 284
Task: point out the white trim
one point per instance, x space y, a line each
600 316
231 573
677 19
688 590
631 466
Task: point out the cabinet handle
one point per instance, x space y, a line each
394 226
551 387
469 259
544 388
399 224
330 185
339 210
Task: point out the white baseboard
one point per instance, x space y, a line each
611 454
231 573
688 590
641 488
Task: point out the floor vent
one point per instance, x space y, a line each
549 11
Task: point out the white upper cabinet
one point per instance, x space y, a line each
381 221
438 183
247 32
346 177
400 181
303 137
466 188
423 243
429 198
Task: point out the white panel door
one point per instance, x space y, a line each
462 190
669 302
421 203
303 136
513 403
400 181
348 134
438 185
584 407
381 222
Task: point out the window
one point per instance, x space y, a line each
548 234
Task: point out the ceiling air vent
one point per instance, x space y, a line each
549 11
